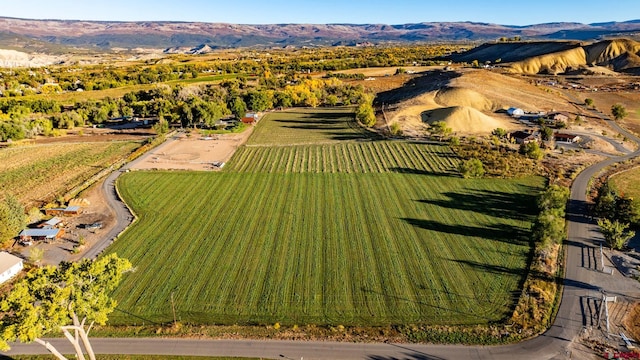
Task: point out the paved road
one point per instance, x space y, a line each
583 286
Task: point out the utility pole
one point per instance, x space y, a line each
173 308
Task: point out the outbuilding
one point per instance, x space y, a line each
515 112
10 266
566 138
41 234
523 137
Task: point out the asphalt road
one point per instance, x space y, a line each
584 284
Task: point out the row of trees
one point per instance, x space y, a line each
617 213
549 226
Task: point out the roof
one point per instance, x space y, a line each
7 261
521 134
565 136
72 208
48 233
53 221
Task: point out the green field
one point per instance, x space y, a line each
627 183
304 126
351 232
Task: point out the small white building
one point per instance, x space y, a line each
10 266
515 112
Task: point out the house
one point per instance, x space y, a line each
523 137
40 234
54 222
566 138
10 266
515 112
250 118
558 117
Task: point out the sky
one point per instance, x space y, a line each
514 12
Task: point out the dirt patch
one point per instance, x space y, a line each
193 152
95 135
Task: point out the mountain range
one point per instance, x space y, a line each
60 35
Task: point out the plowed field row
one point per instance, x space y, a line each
353 157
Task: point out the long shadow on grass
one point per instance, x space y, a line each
492 203
137 317
412 355
500 232
402 170
423 303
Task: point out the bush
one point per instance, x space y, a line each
471 168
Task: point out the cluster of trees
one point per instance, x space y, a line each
12 218
617 213
19 82
69 298
472 168
549 226
531 150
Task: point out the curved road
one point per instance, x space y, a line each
583 287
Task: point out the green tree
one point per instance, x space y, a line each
547 133
499 132
161 127
588 102
615 233
531 150
440 129
365 114
471 168
62 298
238 107
618 111
12 218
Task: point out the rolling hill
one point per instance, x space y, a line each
553 57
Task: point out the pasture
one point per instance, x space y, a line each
344 231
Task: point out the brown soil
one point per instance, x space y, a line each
194 152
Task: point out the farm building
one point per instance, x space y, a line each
523 137
68 211
250 118
566 138
41 234
515 112
54 222
10 266
559 116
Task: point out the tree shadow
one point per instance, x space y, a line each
499 232
492 203
404 170
138 317
579 211
409 355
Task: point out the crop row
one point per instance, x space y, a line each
349 157
28 171
335 248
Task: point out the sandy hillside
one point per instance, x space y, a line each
470 102
618 54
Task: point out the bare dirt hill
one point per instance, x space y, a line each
470 101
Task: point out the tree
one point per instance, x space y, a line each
588 102
365 113
12 218
615 233
531 150
618 111
64 298
161 127
238 107
547 133
440 129
499 132
471 168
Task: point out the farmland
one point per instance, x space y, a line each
36 173
353 232
627 183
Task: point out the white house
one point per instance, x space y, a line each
10 266
515 112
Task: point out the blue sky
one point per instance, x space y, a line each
515 12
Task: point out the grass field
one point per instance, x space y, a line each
345 232
307 126
627 183
36 173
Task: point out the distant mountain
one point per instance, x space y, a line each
53 35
